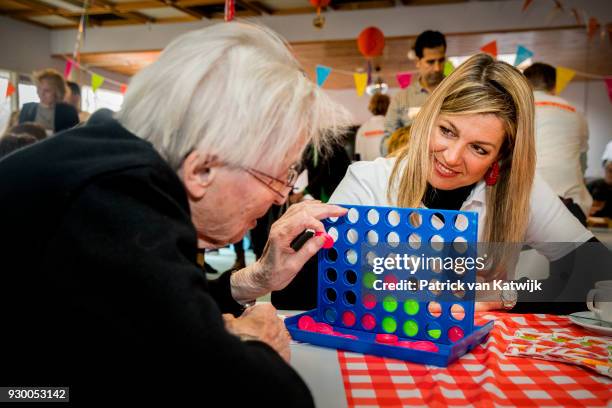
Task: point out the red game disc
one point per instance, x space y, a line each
386 338
307 323
329 241
425 346
455 334
324 328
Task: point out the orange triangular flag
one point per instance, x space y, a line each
490 48
10 89
123 88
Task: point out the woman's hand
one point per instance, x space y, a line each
280 263
261 323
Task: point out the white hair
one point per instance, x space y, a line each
233 90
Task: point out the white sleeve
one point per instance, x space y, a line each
552 229
365 183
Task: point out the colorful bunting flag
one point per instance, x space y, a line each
68 69
448 68
608 82
10 90
490 48
564 76
526 5
361 80
522 54
322 73
123 88
96 81
404 79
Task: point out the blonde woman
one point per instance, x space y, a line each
472 148
51 112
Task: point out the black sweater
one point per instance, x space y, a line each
99 284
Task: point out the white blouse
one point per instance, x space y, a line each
365 183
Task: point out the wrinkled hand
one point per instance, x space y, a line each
260 322
280 263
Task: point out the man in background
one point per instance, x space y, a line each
73 97
430 52
561 134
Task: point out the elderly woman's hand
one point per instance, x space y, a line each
260 322
280 263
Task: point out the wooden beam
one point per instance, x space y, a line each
254 6
131 15
174 5
362 6
45 8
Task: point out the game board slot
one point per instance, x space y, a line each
433 330
351 256
350 298
410 328
352 215
414 240
331 315
461 222
331 275
390 304
331 255
330 295
389 324
436 242
373 217
368 301
352 236
437 221
393 218
350 277
460 245
393 239
333 232
457 312
411 307
434 309
415 220
368 321
372 238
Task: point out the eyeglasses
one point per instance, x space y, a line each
280 187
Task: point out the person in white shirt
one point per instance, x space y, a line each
472 148
561 136
371 133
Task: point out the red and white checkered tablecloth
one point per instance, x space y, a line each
483 378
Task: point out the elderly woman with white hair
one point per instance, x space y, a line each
102 277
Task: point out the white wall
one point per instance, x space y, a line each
587 96
25 48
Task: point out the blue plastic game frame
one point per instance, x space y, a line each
350 260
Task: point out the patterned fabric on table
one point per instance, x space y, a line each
483 378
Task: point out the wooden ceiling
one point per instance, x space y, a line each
60 14
568 47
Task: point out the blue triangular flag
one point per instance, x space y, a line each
322 74
522 54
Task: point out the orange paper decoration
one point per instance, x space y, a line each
319 3
10 90
371 42
593 27
490 48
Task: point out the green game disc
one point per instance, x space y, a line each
368 280
390 304
389 324
434 333
411 307
411 328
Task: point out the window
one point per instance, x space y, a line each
27 93
5 103
102 98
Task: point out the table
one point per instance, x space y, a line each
484 378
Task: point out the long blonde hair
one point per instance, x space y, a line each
481 85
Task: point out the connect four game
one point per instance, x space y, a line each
397 282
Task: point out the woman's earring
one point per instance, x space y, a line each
492 174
